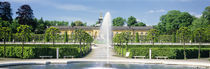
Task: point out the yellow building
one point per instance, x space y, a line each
94 31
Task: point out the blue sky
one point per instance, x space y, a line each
147 11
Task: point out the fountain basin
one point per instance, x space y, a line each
102 65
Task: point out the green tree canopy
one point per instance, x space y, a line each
153 34
206 14
173 20
140 24
26 16
66 37
52 32
183 34
6 11
78 23
5 32
119 21
23 32
131 21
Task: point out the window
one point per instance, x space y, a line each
142 33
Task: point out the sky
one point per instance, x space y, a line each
147 11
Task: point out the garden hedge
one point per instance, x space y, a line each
34 51
173 52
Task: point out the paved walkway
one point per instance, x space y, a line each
99 51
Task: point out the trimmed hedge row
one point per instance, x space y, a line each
34 52
171 52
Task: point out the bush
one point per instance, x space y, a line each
35 51
173 52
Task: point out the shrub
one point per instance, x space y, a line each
173 52
35 51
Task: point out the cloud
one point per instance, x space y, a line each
22 1
71 7
157 11
195 14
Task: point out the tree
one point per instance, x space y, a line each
23 31
14 26
46 38
206 14
153 34
79 35
78 23
126 38
140 24
4 23
52 32
41 26
5 32
25 16
137 37
199 32
131 21
199 23
167 24
183 33
6 11
173 20
119 21
88 39
66 37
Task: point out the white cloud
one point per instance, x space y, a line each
71 7
195 14
157 11
22 1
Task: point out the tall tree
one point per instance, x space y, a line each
5 32
6 11
41 26
131 21
126 37
183 33
52 32
119 21
4 23
79 35
173 20
199 23
25 16
199 33
153 34
206 14
23 31
137 37
66 37
14 26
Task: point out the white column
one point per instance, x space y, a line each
150 53
57 53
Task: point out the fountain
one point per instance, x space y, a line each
105 35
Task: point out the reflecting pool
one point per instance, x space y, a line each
101 65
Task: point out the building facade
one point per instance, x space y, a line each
94 31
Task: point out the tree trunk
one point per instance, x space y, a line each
22 48
126 46
122 51
184 51
199 50
53 42
4 48
80 44
153 39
